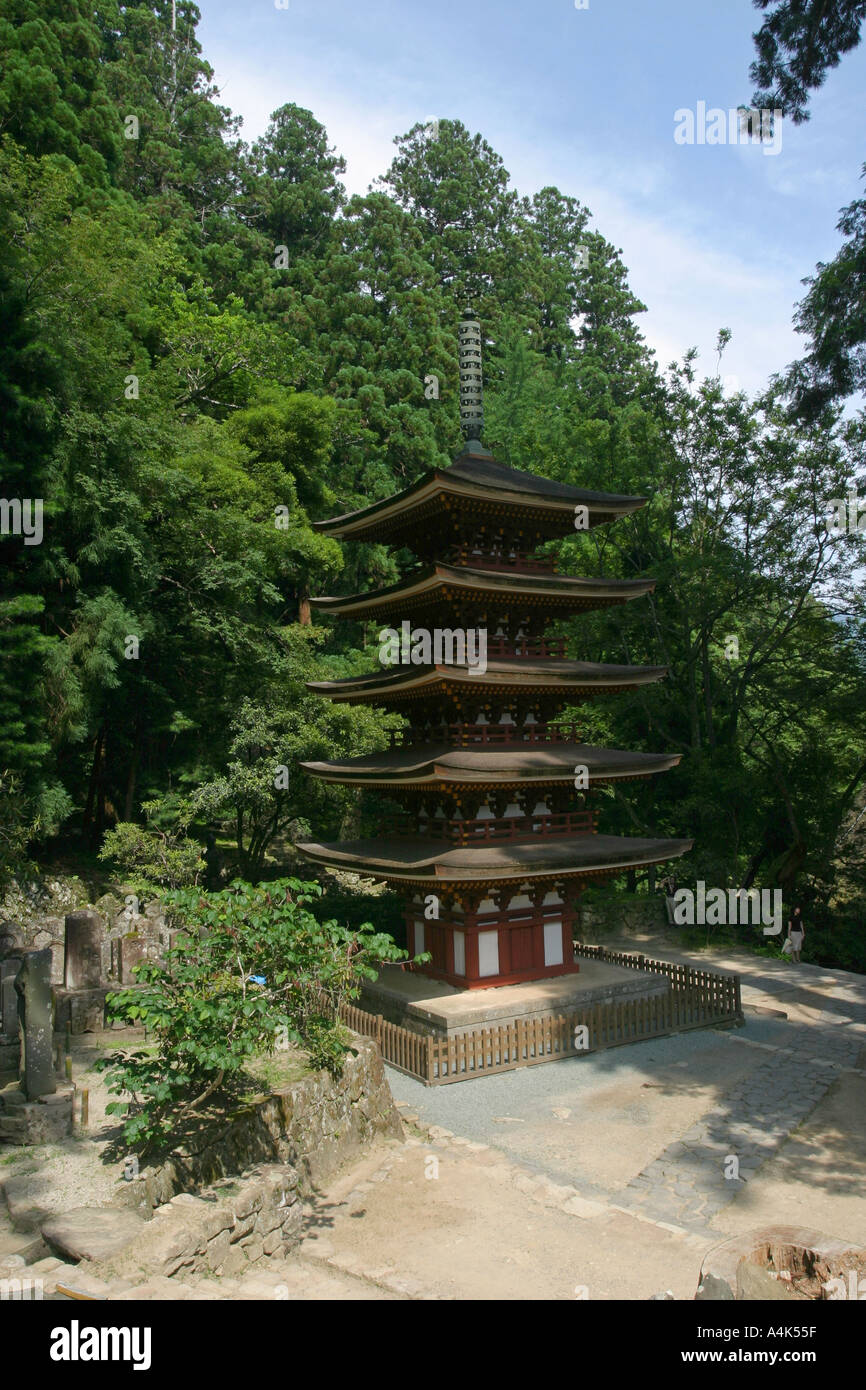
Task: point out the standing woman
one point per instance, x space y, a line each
796 932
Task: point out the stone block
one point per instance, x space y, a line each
82 1281
92 1233
234 1262
130 950
188 1202
40 1267
29 1249
35 1123
82 1009
217 1250
292 1227
85 932
35 1013
215 1222
272 1241
580 1206
62 1096
242 1228
12 1098
249 1200
9 999
24 1201
270 1219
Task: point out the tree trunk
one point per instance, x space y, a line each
754 864
98 787
304 617
694 711
132 778
95 773
708 690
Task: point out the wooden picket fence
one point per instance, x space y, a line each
696 999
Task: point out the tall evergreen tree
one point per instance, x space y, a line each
53 96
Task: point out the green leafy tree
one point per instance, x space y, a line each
181 157
833 317
262 795
798 43
155 857
252 971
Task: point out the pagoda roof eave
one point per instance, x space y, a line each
504 675
542 764
478 477
435 862
436 579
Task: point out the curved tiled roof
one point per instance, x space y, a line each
419 860
479 478
544 763
429 585
505 674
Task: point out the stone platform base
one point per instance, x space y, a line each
40 1121
436 1009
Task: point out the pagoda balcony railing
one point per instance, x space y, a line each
519 561
483 830
526 647
464 735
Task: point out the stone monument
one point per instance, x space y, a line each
35 1110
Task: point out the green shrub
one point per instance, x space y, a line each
207 1015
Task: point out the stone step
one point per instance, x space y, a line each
92 1233
23 1206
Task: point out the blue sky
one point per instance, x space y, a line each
713 235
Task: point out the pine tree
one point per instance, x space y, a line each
53 97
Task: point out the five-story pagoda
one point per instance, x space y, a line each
498 835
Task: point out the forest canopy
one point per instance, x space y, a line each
206 346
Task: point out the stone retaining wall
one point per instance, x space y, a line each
239 1200
221 1231
315 1125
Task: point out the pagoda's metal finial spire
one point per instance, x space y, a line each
471 386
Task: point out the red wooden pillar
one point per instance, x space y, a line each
471 940
504 935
